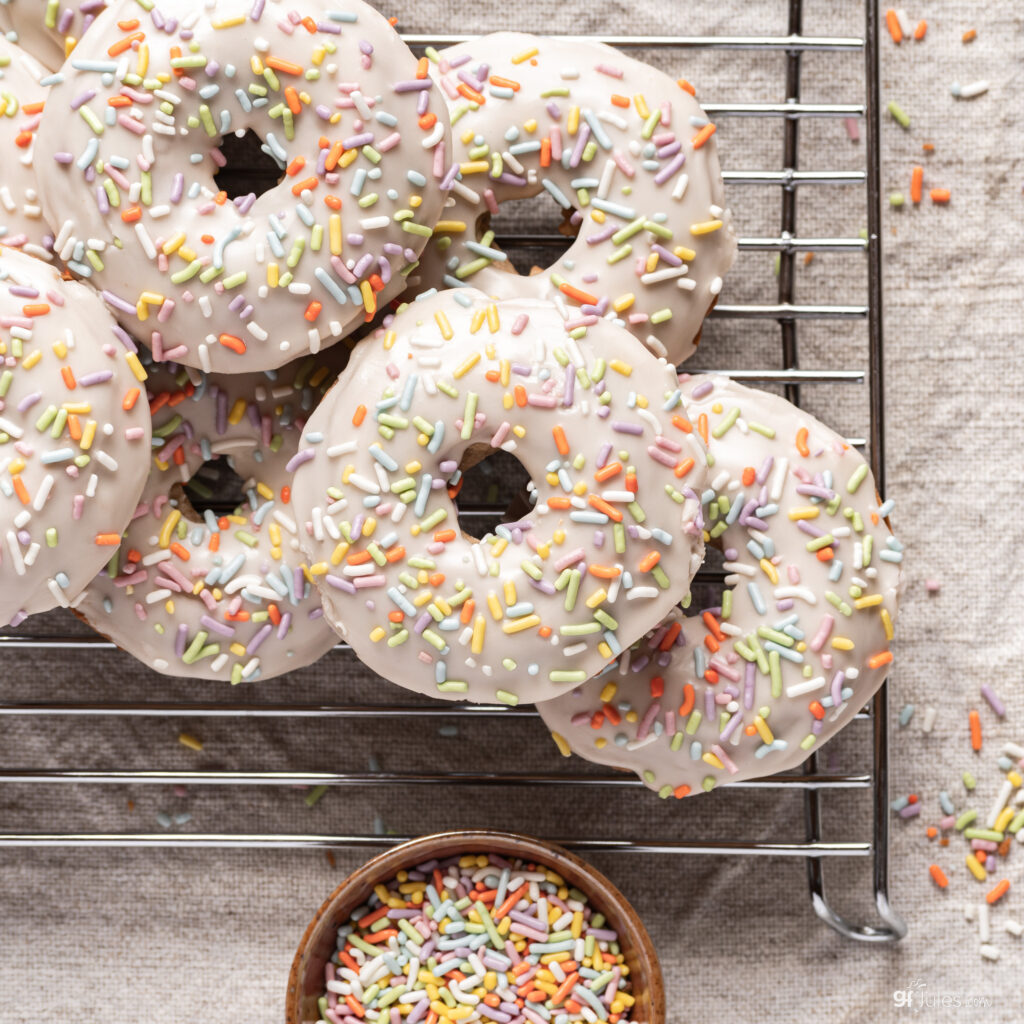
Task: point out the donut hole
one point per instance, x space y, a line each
492 489
248 168
534 232
214 487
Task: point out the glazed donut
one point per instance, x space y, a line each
545 602
74 437
130 142
45 28
616 143
21 105
801 639
218 596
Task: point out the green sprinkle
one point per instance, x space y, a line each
965 819
314 795
901 117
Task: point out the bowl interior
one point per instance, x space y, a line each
306 980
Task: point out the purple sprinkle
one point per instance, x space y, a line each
617 425
994 702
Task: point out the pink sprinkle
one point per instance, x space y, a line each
852 128
932 586
608 69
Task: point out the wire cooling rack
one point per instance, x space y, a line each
783 317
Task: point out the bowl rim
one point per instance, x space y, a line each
542 851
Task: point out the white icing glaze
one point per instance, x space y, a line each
654 237
238 607
245 284
72 457
806 642
544 603
47 29
21 216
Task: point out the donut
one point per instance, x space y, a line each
74 437
134 133
799 639
622 150
207 595
21 104
542 603
45 28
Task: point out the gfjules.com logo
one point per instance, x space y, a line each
915 998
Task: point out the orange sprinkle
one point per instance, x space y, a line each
578 294
125 44
561 442
128 24
682 423
931 832
607 472
33 108
563 990
354 1005
520 393
504 83
444 537
670 637
74 427
922 27
295 166
221 198
471 94
657 687
702 426
703 135
880 659
313 310
940 196
23 140
396 554
309 25
680 791
359 416
975 721
892 23
749 475
436 579
597 502
825 554
631 482
359 558
132 214
286 67
969 36
801 442
21 490
619 101
333 202
686 87
307 183
816 709
712 626
291 97
181 551
649 561
334 156
427 121
422 68
466 615
545 152
108 540
275 614
938 876
286 494
558 502
916 180
119 101
544 632
996 894
36 309
684 467
928 147
605 572
233 342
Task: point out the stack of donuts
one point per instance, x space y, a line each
332 318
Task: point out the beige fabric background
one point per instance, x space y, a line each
184 936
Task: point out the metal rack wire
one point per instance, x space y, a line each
786 314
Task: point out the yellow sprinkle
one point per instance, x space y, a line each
369 299
705 227
652 263
763 731
446 328
519 430
30 360
1004 819
886 623
975 868
389 340
377 634
685 254
88 435
510 593
174 243
60 350
449 227
769 570
229 22
525 55
597 598
868 602
188 740
608 693
479 316
479 628
842 643
316 569
604 650
499 546
572 124
467 364
167 529
348 157
505 371
272 275
494 606
1017 780
623 302
710 759
135 366
641 105
143 63
563 747
334 233
474 167
804 512
493 322
237 412
77 408
620 367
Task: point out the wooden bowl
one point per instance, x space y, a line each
306 980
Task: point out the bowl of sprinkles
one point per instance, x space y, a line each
475 926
